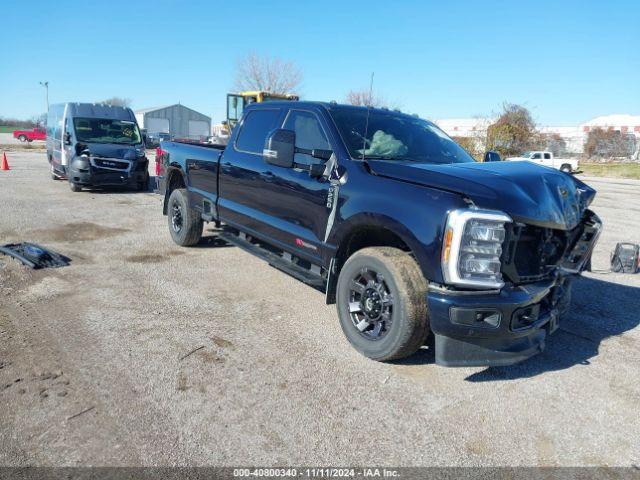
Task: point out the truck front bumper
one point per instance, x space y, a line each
494 329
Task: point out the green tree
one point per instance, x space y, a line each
470 144
513 132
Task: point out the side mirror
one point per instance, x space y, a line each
279 148
67 138
492 156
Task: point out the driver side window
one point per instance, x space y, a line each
309 134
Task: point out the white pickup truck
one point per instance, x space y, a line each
547 159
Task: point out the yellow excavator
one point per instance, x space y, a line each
237 101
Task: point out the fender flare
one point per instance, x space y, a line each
172 170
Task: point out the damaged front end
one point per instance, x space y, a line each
511 322
532 253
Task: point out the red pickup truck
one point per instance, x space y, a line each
37 133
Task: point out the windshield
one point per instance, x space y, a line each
105 130
395 136
526 154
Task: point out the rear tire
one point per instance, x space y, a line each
185 224
22 138
383 285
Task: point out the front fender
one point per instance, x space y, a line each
417 215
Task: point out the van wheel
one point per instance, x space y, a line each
185 225
566 168
382 303
75 187
143 186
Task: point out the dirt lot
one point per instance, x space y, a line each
144 353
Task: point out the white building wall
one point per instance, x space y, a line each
575 136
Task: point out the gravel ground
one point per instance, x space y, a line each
144 353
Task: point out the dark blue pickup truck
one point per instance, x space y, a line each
396 223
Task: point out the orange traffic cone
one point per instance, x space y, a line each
5 164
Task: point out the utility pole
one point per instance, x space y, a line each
46 88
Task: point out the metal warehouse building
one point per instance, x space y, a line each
176 120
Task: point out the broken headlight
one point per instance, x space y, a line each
472 248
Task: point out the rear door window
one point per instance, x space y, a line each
254 130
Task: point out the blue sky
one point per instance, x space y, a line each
567 61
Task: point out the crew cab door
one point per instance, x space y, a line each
284 206
241 194
294 200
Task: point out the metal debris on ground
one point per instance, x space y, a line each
34 256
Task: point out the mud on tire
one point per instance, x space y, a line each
392 289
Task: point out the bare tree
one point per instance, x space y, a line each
610 143
555 144
366 98
267 74
117 102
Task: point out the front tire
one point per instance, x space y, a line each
382 303
143 186
75 187
185 225
566 168
53 174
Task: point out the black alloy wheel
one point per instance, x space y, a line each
370 304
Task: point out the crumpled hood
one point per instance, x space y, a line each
529 193
111 150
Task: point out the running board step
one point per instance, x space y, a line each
304 275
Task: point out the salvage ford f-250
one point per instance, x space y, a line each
396 223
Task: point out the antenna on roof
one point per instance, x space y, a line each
366 125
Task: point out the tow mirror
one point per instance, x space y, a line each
279 148
492 156
321 154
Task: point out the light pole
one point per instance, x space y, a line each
46 88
